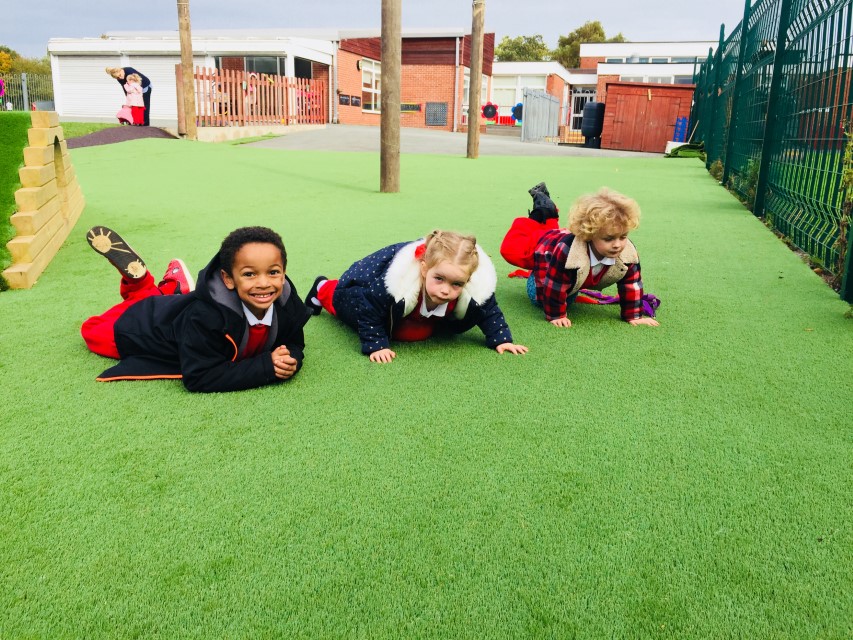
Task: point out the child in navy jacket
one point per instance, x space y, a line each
240 328
407 291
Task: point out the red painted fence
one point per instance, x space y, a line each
237 98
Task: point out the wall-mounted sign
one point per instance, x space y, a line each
343 99
355 101
410 106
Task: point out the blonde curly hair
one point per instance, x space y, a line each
603 210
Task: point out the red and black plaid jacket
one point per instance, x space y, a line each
560 259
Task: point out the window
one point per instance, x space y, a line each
660 60
684 59
258 64
504 93
534 82
614 60
371 86
504 98
631 78
683 79
484 90
660 79
302 68
262 64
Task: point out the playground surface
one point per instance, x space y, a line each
430 141
690 480
335 137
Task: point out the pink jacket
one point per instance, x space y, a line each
134 94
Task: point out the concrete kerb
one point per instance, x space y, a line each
223 134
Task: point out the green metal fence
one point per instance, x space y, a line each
771 105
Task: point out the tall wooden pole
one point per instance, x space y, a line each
187 67
474 88
389 125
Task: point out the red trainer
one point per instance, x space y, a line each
178 274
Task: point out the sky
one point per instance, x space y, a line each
27 25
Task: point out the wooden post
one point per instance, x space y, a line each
389 135
187 68
479 13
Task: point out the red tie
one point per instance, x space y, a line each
257 337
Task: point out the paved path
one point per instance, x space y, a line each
340 137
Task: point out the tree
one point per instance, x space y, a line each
5 62
568 51
13 62
522 49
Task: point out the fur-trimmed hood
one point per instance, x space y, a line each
403 280
578 258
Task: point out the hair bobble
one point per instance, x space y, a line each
420 250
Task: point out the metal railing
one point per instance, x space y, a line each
771 105
22 90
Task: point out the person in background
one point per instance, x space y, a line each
121 74
133 89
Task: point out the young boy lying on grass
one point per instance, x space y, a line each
240 328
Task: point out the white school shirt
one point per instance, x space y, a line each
596 265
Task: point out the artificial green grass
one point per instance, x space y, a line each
78 129
13 139
691 480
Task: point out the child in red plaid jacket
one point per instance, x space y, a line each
593 253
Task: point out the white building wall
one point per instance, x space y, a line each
84 92
663 73
646 49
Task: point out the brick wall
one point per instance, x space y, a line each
320 73
427 83
555 86
591 62
349 83
420 83
601 89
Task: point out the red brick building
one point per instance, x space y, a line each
434 79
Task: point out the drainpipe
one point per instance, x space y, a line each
333 90
456 91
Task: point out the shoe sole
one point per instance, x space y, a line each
113 247
541 188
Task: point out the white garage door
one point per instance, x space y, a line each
84 90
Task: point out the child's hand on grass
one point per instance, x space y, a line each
517 349
645 320
283 363
561 322
383 356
